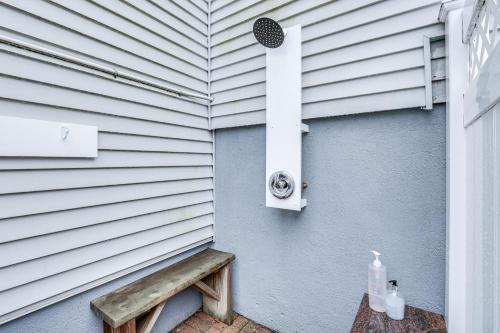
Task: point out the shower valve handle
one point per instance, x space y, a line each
281 184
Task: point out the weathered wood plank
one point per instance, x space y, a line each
221 309
416 321
139 297
205 289
128 327
145 323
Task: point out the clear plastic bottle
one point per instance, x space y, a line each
377 284
394 302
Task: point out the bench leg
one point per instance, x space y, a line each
145 323
128 327
221 309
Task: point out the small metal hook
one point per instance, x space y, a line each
64 133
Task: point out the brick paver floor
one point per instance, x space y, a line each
200 322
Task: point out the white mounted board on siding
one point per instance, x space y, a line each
38 138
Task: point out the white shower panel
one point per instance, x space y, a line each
284 117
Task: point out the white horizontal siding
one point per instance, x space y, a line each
354 105
217 4
105 122
108 159
35 225
170 20
46 202
201 4
68 224
142 230
183 10
47 24
355 55
113 141
50 287
61 79
103 235
48 180
162 34
133 36
368 67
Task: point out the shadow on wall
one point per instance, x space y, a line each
376 181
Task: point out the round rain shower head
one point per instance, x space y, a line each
268 32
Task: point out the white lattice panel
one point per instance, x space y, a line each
484 36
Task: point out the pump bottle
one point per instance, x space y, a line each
377 284
394 302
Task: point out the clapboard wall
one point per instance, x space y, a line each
358 56
68 224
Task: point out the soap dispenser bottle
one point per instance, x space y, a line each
394 302
377 284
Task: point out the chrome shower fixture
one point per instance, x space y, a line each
281 184
268 32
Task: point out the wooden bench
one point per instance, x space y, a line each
136 307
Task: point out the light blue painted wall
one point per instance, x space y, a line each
377 181
74 314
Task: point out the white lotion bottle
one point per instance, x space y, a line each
394 302
377 284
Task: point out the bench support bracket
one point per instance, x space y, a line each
128 327
145 323
222 308
206 290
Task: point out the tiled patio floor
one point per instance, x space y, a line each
203 323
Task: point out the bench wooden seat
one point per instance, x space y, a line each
135 307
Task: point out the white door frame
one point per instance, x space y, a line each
451 14
473 55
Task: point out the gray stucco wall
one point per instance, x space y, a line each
377 181
74 314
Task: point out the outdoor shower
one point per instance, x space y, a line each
284 126
268 32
